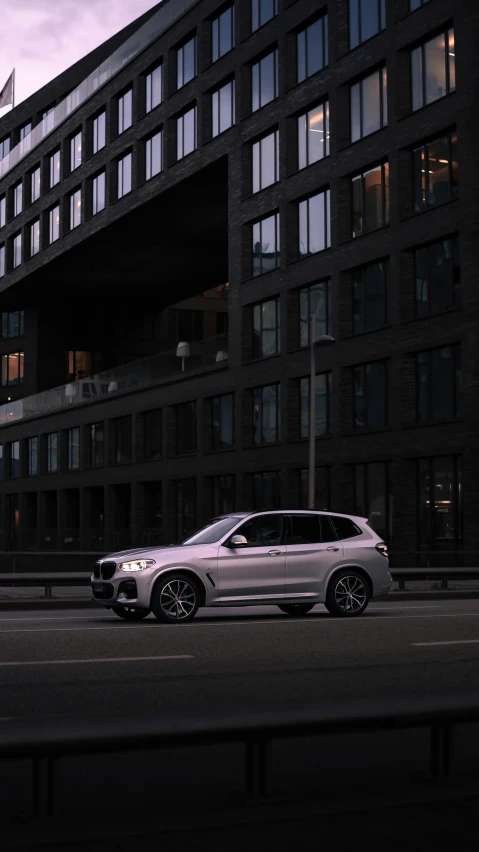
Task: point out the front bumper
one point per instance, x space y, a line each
119 590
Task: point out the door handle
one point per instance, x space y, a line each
332 548
274 552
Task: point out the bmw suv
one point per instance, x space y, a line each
292 559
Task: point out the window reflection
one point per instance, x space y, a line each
266 246
313 135
433 69
440 500
315 299
223 106
266 329
186 133
437 276
264 81
371 200
366 19
312 48
266 414
435 172
323 385
314 223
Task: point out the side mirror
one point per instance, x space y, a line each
238 541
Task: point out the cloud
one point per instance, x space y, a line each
41 38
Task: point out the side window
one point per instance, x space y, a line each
344 527
262 531
305 529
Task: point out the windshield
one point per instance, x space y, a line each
212 531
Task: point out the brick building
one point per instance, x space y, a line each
172 209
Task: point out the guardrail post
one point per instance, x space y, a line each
258 760
43 786
402 584
445 582
441 742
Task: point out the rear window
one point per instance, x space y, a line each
344 527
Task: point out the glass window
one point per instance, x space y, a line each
314 223
266 161
433 70
266 414
79 364
366 19
154 155
125 111
371 406
96 434
262 531
321 494
17 250
1 462
313 135
32 456
13 325
15 459
25 130
439 384
266 491
75 151
48 120
54 224
73 446
52 452
121 439
310 529
98 193
372 496
440 500
264 81
185 415
371 200
4 147
185 499
223 495
435 172
35 237
344 527
54 169
12 369
124 175
223 106
154 88
261 12
151 423
266 244
266 329
312 47
2 261
99 132
315 299
35 184
416 4
222 435
322 411
223 34
186 133
75 209
73 101
18 198
370 297
186 63
437 277
369 105
3 207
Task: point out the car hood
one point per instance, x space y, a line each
137 552
169 552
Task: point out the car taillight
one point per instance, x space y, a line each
382 548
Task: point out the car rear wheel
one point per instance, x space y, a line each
295 609
348 594
131 613
175 599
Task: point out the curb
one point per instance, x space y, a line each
87 603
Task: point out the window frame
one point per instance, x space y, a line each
17 243
34 244
451 137
383 104
307 131
216 54
35 181
382 22
258 356
55 165
51 452
18 198
422 61
99 131
277 247
255 10
5 371
149 173
5 323
180 51
32 456
73 198
217 442
304 32
180 410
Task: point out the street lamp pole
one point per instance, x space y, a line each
323 340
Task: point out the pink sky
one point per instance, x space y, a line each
40 38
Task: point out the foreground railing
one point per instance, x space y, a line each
44 745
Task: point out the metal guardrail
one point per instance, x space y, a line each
44 744
442 574
71 578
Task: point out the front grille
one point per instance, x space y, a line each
104 592
107 570
96 570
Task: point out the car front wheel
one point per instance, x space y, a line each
295 609
131 613
348 594
175 599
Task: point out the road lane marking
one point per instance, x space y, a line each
444 642
98 660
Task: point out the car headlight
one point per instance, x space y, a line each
137 564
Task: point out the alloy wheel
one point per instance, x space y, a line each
350 594
178 599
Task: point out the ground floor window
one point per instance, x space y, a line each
439 501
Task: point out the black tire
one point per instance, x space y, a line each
295 609
131 613
175 599
348 593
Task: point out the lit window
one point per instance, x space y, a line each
371 200
223 103
314 223
435 172
369 105
313 135
266 161
12 369
433 70
154 88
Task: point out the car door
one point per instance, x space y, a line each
312 550
258 570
